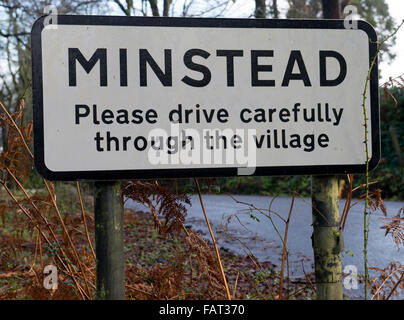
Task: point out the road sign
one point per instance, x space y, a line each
136 97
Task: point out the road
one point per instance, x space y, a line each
245 233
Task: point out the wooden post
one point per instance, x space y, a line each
108 208
326 239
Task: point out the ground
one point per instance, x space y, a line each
157 266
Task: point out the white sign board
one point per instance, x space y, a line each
134 97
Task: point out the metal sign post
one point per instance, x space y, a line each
109 240
326 239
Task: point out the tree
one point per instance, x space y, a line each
275 9
304 9
166 8
18 18
376 12
261 9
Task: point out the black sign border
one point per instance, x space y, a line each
37 93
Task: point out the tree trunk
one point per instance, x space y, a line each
275 8
331 9
260 9
167 4
155 9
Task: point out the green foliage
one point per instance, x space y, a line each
376 12
266 185
35 180
392 116
389 174
282 185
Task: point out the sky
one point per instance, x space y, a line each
396 68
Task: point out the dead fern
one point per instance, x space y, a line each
167 207
206 267
395 227
16 157
389 283
169 211
32 221
392 83
375 201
